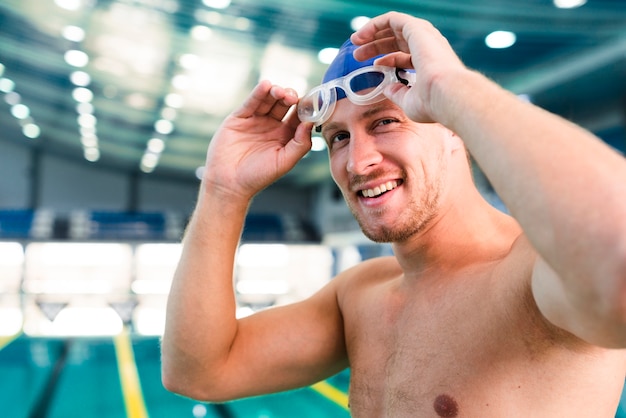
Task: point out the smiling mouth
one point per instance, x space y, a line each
379 190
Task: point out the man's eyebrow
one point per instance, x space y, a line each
370 111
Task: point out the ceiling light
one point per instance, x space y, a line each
500 39
242 24
20 111
201 33
217 4
76 58
73 33
6 85
84 108
89 141
318 144
156 145
30 130
181 81
80 78
138 101
358 22
149 161
168 113
327 55
92 154
82 95
569 4
164 126
174 100
87 120
12 98
189 61
200 172
68 4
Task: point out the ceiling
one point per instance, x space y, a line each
188 64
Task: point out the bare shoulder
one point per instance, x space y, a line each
368 273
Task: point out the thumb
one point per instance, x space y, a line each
301 143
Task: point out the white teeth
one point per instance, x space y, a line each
378 190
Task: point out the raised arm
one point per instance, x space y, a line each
565 187
206 353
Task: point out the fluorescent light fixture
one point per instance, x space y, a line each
569 4
11 254
69 4
12 320
6 85
174 100
89 141
76 58
86 321
73 33
358 22
201 33
149 321
500 39
91 154
189 61
87 120
156 145
85 108
263 255
80 78
262 287
31 130
318 143
164 126
217 4
327 55
82 95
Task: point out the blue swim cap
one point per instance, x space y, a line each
343 64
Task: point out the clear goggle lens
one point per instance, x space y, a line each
363 86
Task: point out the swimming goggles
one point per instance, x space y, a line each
362 87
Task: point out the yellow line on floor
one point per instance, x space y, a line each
8 339
329 391
129 377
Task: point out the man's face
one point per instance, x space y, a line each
390 169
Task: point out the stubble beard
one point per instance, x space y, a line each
418 214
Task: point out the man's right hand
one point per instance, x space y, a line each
256 144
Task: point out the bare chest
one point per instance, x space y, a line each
445 352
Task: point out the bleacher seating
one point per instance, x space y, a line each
16 223
126 226
85 225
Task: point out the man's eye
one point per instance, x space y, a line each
338 137
387 121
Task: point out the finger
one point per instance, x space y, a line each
396 59
388 25
284 100
255 101
293 122
378 47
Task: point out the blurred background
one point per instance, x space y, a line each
106 111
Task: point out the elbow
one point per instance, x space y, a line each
192 383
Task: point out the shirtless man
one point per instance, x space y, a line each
478 314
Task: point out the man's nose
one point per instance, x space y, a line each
363 154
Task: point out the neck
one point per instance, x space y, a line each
466 231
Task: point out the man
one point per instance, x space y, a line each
478 314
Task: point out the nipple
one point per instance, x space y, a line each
446 406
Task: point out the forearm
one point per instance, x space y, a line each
201 324
565 187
